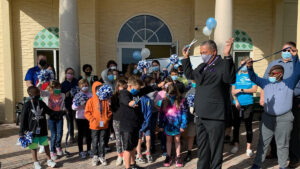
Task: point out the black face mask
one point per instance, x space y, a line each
36 98
43 63
88 73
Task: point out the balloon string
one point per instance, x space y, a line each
262 58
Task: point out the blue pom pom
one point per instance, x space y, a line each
80 99
190 100
46 75
74 91
143 64
174 59
104 92
26 140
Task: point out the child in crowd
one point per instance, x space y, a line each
146 107
117 115
190 131
278 119
33 120
131 121
78 105
55 102
179 85
173 122
98 114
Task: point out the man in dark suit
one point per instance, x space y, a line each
213 78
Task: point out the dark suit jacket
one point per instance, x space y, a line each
212 87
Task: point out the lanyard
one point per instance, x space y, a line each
100 108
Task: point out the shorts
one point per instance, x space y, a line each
190 130
130 140
146 133
43 140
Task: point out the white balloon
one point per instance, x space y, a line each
145 53
206 31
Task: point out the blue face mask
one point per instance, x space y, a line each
111 77
194 85
175 77
155 68
286 55
244 69
272 79
133 91
206 58
135 71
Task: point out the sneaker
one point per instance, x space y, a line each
53 156
179 162
140 159
234 150
134 166
164 154
102 160
149 158
168 161
249 153
82 155
188 157
95 161
36 165
59 151
42 150
51 163
90 153
112 137
119 161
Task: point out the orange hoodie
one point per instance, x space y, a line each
92 111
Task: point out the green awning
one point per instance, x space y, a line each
242 42
47 38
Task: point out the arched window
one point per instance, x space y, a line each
145 28
242 45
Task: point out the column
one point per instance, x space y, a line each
68 37
9 75
223 15
298 26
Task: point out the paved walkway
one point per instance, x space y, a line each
12 156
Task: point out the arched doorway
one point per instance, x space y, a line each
144 31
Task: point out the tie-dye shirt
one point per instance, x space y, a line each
172 119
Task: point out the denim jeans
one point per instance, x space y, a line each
98 139
56 128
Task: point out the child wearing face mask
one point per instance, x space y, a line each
180 86
33 119
278 119
56 103
78 105
173 121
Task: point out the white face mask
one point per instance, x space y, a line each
85 89
206 58
113 68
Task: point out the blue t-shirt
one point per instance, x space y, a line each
32 74
243 82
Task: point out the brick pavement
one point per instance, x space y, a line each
12 156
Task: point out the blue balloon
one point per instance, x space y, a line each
137 55
211 23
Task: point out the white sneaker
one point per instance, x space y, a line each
82 155
95 161
42 150
51 163
59 151
36 165
102 160
53 156
249 152
119 161
234 150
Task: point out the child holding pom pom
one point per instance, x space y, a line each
98 114
79 102
33 119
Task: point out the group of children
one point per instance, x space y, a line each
142 104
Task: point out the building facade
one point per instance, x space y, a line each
113 29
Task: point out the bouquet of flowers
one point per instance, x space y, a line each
143 64
74 91
26 140
104 92
190 100
46 75
80 99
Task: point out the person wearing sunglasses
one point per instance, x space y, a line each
277 119
286 61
